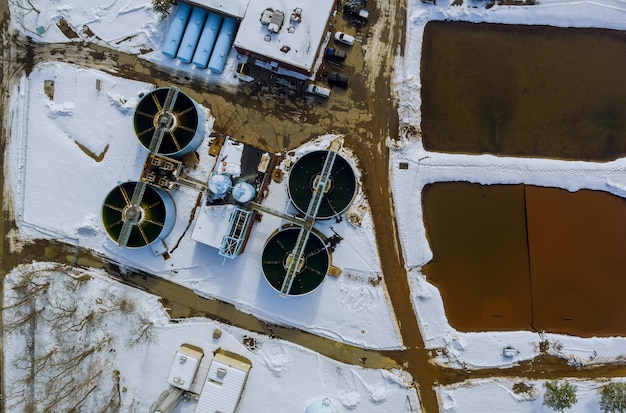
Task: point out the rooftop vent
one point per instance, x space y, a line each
266 16
296 15
276 22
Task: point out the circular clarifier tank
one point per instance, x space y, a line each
340 190
278 252
151 220
183 122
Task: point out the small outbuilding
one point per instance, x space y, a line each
224 383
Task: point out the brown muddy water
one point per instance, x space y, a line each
511 257
524 90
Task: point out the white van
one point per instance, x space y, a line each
318 90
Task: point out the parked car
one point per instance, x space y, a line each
356 12
344 38
337 79
318 90
335 54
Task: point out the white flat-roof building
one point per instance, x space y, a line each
285 33
224 384
185 366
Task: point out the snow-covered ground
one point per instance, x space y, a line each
55 141
109 344
464 349
485 348
499 395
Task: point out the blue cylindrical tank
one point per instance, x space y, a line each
192 34
222 46
243 192
176 30
207 40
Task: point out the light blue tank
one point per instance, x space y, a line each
176 30
207 40
222 46
192 34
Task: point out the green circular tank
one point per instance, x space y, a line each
339 193
183 125
277 254
150 221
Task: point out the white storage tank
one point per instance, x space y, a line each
220 184
243 192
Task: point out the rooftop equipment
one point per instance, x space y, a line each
177 28
276 22
207 40
192 35
266 16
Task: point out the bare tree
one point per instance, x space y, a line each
162 6
143 333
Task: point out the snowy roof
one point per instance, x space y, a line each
296 43
212 224
184 368
234 8
223 385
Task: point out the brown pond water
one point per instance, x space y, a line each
509 257
578 260
524 90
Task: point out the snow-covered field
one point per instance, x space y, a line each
357 305
499 395
474 350
485 349
106 344
55 140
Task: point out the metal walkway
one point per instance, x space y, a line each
238 228
320 185
133 211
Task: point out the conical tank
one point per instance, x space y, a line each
339 193
151 220
185 129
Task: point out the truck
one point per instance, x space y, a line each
335 54
337 79
356 12
318 90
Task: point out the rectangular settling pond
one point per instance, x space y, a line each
516 90
516 257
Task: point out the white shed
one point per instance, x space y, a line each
185 366
224 384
